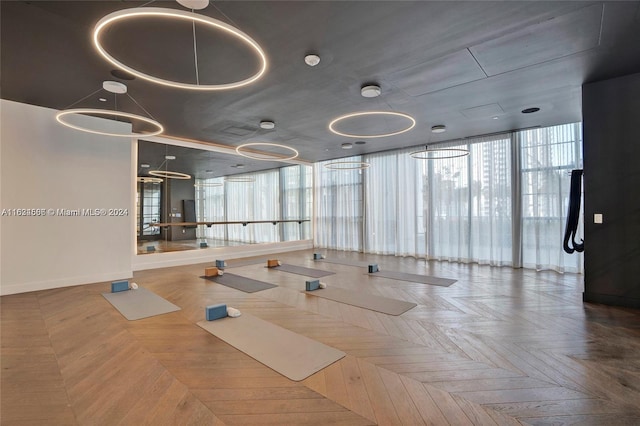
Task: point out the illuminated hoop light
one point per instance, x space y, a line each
440 153
77 111
366 113
240 179
266 156
109 19
144 179
169 174
208 185
347 165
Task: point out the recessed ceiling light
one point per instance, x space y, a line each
530 110
114 87
170 157
194 4
439 128
239 166
267 125
102 99
208 171
495 117
360 142
347 145
312 60
144 166
370 91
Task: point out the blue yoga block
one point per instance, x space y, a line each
317 256
151 248
204 245
220 264
373 268
117 286
312 285
215 312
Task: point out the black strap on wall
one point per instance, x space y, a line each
575 195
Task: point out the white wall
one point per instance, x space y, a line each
47 166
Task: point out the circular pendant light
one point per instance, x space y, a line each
208 185
347 165
439 153
169 174
62 117
266 156
145 179
411 123
132 14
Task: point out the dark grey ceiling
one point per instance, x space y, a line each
452 63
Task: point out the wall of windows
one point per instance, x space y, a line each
279 194
503 204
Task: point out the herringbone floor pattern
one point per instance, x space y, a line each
500 346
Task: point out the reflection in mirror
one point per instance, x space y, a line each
223 203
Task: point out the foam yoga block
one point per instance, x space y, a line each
151 248
221 263
373 268
211 272
214 312
312 285
317 256
273 263
204 245
117 286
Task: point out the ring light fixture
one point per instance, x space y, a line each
347 165
145 179
439 153
239 179
266 156
412 123
135 13
60 116
169 174
208 185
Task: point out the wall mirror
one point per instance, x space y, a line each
192 199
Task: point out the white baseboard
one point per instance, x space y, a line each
190 257
7 289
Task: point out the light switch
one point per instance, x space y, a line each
597 218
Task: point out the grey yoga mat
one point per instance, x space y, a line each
241 283
140 303
244 262
414 278
364 300
290 354
358 263
301 270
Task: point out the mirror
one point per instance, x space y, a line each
192 199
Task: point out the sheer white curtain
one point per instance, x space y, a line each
256 200
393 217
469 204
296 184
338 206
547 157
210 207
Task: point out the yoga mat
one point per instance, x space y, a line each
244 262
414 278
290 354
301 270
241 283
364 300
358 263
140 303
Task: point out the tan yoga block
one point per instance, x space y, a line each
272 263
211 272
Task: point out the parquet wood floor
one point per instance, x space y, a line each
498 347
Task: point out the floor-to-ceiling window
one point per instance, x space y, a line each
503 204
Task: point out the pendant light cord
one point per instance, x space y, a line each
195 52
